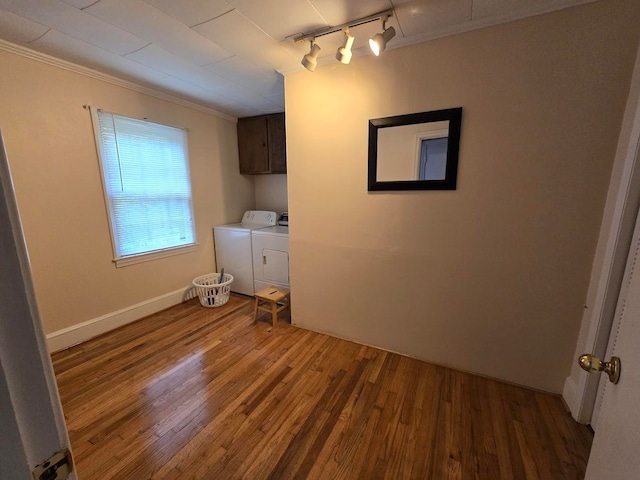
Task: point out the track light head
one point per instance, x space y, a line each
379 41
343 55
310 60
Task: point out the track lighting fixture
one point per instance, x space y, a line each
379 41
310 60
343 55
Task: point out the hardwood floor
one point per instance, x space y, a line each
203 393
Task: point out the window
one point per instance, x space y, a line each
145 171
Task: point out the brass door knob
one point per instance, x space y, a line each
591 364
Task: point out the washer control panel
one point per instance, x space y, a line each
259 217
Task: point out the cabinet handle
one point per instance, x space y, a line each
264 259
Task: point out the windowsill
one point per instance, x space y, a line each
147 257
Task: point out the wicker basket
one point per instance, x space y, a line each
212 292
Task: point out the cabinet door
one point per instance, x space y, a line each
277 143
253 145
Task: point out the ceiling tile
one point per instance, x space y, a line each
267 104
239 94
244 73
192 12
62 46
80 3
337 13
237 34
191 92
17 29
159 59
155 57
281 18
75 23
71 49
247 111
247 97
420 16
156 27
275 86
277 99
277 109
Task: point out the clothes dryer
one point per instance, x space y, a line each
270 257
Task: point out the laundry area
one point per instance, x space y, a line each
255 252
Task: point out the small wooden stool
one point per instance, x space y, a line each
272 296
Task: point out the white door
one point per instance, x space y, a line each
32 424
275 266
615 454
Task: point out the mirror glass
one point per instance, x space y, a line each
418 151
413 152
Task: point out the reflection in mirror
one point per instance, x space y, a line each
418 151
413 152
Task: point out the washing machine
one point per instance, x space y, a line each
270 257
233 245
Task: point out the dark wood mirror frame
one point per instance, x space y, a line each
453 115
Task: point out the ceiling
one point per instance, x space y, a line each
229 55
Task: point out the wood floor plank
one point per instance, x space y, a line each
346 449
193 392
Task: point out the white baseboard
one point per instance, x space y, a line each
569 395
81 332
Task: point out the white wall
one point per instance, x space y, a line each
490 278
271 192
52 154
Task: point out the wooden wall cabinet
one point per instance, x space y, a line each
262 144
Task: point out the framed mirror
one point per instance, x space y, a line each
418 151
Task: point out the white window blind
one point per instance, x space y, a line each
145 170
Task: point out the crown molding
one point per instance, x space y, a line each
88 72
492 21
455 29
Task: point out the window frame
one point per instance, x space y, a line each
122 261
